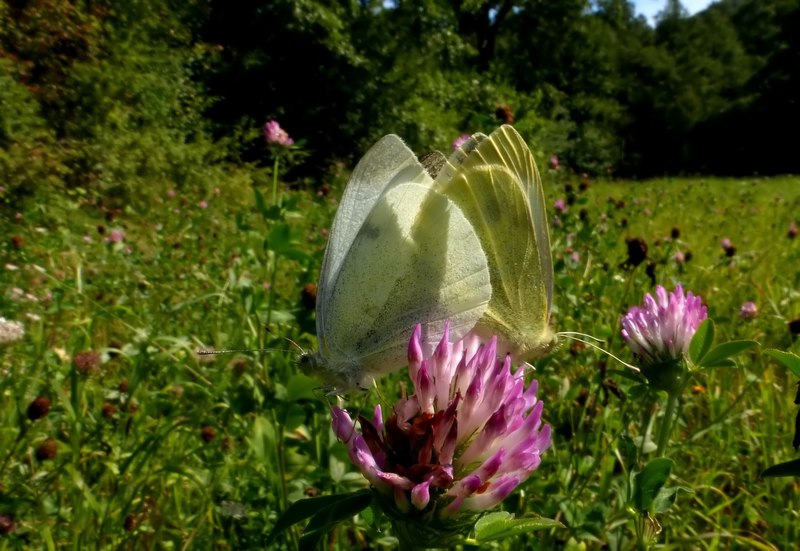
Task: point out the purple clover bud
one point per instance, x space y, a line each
748 310
659 332
461 140
275 135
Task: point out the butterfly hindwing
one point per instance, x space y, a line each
497 186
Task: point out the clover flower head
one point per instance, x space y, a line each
662 327
461 140
10 331
468 436
748 310
275 135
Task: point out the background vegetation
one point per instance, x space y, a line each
146 94
139 225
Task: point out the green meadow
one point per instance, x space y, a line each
116 434
169 173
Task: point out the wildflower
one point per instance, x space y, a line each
171 193
554 162
792 232
203 204
109 410
560 205
748 310
659 332
115 236
275 135
87 239
679 257
504 114
728 246
86 362
650 270
675 233
461 140
309 296
38 408
47 450
10 331
469 435
17 242
207 434
637 251
7 523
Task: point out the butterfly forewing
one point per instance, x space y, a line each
416 259
387 163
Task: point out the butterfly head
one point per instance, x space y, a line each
337 377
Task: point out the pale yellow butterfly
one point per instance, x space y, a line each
471 246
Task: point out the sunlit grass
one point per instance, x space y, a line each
155 446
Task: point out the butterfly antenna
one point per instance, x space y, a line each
573 335
300 348
210 352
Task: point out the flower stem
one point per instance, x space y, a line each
666 423
275 180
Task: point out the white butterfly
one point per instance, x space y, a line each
470 246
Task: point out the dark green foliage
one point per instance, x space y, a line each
121 97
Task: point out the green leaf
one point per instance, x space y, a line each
326 510
502 524
724 351
724 362
627 448
627 374
790 468
702 341
261 205
789 360
666 498
648 483
326 518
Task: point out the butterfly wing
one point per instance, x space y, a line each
388 162
498 188
416 259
